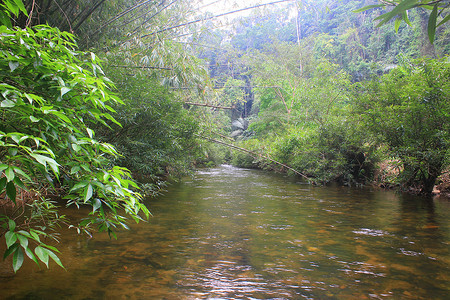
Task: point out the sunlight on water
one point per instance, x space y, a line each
235 233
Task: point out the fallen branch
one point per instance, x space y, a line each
254 154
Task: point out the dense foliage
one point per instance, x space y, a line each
409 110
51 96
156 136
306 114
310 87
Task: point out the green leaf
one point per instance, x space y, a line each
24 233
31 255
445 20
75 169
22 173
13 65
9 173
23 241
78 186
7 103
35 236
15 137
65 90
96 204
34 119
11 191
14 9
20 5
42 254
11 225
398 10
432 23
76 147
55 258
17 259
44 160
10 250
11 238
19 183
3 181
88 191
406 19
61 115
3 167
90 132
13 151
367 8
50 247
398 21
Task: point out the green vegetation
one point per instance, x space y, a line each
408 110
310 88
51 96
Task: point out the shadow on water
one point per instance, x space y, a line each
235 233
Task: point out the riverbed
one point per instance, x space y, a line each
230 233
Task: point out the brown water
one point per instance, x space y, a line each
245 234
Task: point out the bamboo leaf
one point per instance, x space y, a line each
21 6
432 23
445 20
397 24
367 8
7 103
398 10
65 90
406 19
34 119
13 65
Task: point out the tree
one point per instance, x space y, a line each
409 111
51 96
439 8
156 136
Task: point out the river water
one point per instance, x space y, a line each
232 233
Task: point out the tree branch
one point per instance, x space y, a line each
254 154
209 105
212 17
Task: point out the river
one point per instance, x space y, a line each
230 233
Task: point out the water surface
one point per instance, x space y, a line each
232 233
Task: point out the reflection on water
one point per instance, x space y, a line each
245 234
